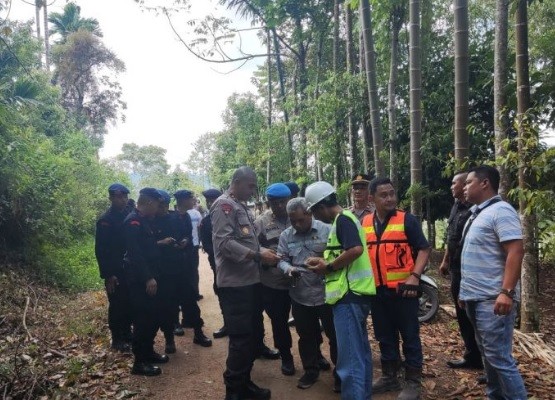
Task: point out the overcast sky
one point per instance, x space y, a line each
172 97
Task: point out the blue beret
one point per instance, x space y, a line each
277 191
212 193
150 192
118 187
183 194
293 187
166 198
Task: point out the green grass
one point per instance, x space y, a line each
71 267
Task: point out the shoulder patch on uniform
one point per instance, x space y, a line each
135 222
227 208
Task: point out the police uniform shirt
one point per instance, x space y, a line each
268 229
460 212
234 237
110 243
205 233
360 214
172 258
142 255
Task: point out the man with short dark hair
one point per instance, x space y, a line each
109 250
451 264
238 257
349 287
392 237
491 260
142 271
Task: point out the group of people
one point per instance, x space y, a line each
329 267
148 257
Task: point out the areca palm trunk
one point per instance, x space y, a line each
46 37
527 139
461 81
396 23
415 107
499 92
370 62
352 148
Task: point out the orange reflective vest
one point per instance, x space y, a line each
390 254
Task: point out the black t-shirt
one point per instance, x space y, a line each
347 232
413 230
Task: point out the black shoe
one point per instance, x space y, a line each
252 391
170 347
121 346
323 364
232 395
482 380
178 331
269 354
222 332
201 339
464 364
307 380
156 358
288 367
145 369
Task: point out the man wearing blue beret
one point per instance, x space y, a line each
141 262
109 250
275 284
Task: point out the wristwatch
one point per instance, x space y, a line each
509 293
329 267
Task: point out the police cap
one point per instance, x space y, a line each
212 193
166 198
361 178
118 187
278 191
183 194
293 187
151 193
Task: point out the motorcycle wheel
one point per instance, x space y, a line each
429 303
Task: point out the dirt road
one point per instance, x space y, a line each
195 373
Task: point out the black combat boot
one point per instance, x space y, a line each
413 384
388 382
201 339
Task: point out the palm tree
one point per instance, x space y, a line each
70 21
461 81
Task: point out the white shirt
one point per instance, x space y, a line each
196 217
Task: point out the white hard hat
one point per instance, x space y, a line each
317 191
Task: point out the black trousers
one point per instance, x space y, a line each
472 352
146 321
277 305
212 262
168 292
188 301
242 309
119 312
307 323
192 269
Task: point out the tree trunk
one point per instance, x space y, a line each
499 92
283 96
38 5
269 120
46 36
303 83
396 23
415 108
461 82
529 312
335 64
370 61
363 123
353 134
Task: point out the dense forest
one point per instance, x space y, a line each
411 89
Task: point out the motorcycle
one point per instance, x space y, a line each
429 301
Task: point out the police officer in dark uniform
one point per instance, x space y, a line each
205 233
109 249
172 245
238 256
188 282
451 264
142 271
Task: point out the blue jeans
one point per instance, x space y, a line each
494 334
354 357
393 315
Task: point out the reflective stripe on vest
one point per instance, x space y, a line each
357 277
390 254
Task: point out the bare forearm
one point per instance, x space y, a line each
512 267
422 260
347 257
